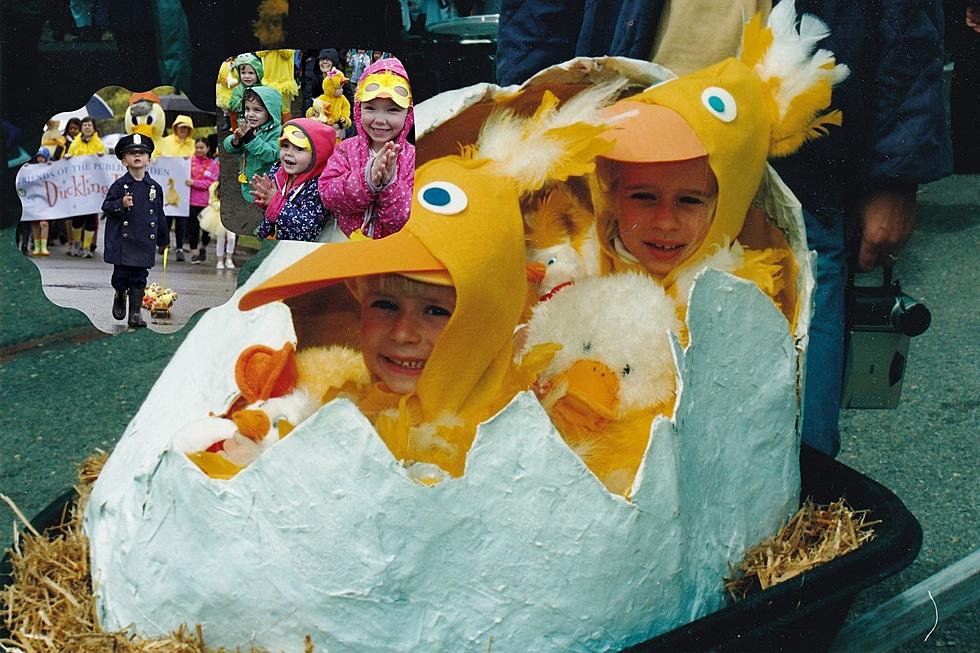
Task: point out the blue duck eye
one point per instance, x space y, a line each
720 103
442 197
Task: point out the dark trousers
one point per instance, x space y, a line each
195 234
181 228
128 276
89 222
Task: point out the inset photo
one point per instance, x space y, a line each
121 212
316 144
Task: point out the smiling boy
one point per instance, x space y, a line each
401 319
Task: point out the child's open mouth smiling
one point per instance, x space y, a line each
665 250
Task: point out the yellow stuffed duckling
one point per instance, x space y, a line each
335 106
279 389
561 242
614 371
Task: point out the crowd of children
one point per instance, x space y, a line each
313 180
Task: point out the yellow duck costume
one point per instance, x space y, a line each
332 109
278 74
738 112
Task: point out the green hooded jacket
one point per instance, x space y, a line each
260 149
238 92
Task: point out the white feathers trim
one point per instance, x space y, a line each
530 149
791 58
724 258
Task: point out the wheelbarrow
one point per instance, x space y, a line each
803 613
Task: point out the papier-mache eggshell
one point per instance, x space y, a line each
326 535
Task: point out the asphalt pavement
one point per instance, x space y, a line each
83 284
68 389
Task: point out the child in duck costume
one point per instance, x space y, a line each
334 108
278 73
727 118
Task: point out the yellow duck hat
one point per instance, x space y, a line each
767 102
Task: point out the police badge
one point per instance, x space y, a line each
153 193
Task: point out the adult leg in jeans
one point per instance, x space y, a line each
825 354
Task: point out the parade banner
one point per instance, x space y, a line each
77 186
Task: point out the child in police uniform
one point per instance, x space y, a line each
133 209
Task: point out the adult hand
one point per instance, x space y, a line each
188 182
973 18
263 190
887 221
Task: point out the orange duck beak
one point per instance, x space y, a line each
592 398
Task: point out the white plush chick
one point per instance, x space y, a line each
615 370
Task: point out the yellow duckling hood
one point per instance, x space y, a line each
462 224
767 102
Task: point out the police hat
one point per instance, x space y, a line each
133 142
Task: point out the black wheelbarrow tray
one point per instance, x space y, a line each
803 613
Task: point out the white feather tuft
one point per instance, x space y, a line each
792 59
526 149
724 258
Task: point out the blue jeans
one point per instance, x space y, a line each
825 355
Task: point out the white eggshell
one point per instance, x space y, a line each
326 534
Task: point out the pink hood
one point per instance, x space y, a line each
381 65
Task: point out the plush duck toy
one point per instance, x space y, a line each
171 196
737 113
614 372
561 241
278 390
145 116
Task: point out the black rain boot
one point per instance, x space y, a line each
136 306
119 305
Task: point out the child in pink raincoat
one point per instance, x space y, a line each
368 181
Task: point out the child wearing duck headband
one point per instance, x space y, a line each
289 193
368 181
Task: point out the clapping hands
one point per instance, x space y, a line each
385 164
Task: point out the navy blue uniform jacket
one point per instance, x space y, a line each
131 234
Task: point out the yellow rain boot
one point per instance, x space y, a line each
75 248
87 244
37 247
44 247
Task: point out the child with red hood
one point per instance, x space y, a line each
368 181
289 193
